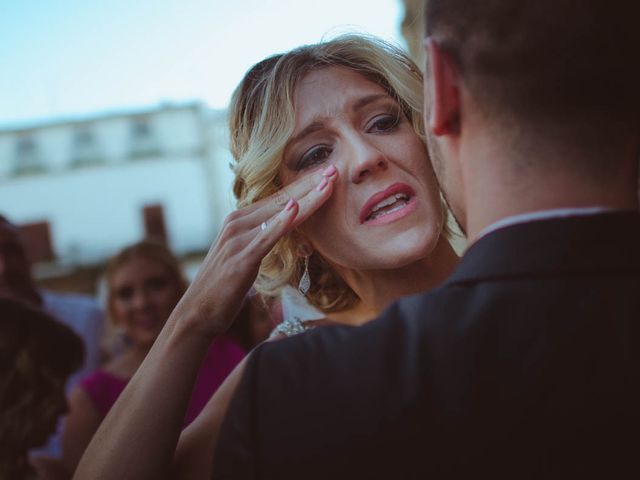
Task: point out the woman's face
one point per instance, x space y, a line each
143 295
385 209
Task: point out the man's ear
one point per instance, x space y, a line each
444 94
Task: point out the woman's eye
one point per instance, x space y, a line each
384 123
124 294
313 157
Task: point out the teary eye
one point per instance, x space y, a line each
313 156
124 293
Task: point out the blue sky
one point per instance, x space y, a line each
64 57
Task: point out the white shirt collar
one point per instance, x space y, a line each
541 215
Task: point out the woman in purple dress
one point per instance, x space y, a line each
144 284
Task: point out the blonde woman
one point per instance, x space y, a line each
336 197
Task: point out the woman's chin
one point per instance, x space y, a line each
145 339
402 252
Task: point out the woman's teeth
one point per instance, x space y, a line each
389 205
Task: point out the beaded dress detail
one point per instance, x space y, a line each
297 314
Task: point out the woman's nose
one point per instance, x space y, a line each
367 161
140 299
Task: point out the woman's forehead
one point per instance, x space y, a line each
333 91
140 265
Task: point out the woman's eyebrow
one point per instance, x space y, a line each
312 127
364 101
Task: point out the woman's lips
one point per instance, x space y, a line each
389 205
147 323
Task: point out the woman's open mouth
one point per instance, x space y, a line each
389 205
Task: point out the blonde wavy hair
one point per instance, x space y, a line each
262 116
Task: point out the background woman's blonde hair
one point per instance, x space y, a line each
262 120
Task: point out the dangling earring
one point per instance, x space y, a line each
305 281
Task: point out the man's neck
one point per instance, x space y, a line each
503 205
497 187
543 215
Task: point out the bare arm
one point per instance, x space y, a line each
193 459
79 426
138 438
141 430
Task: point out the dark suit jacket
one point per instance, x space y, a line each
525 364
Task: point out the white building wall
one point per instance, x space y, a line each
96 209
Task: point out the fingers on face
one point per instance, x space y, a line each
315 198
269 207
308 183
273 220
242 226
270 232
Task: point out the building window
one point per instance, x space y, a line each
27 157
143 140
37 238
84 148
154 225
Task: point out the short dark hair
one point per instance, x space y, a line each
541 57
54 345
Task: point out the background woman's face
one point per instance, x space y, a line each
144 295
385 211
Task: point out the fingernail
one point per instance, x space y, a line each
289 205
330 170
322 184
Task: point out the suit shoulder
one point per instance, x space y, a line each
427 309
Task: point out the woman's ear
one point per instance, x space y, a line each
441 90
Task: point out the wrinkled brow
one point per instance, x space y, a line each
318 125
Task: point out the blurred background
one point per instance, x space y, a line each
113 115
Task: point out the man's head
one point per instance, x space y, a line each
37 355
559 71
15 269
